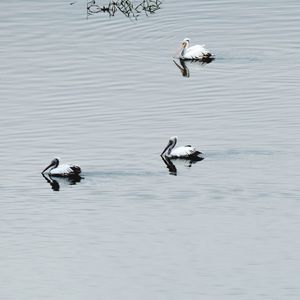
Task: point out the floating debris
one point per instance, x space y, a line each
126 7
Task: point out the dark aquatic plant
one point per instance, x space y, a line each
129 8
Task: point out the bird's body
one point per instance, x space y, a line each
186 152
183 152
197 52
64 170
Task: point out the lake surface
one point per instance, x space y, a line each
103 92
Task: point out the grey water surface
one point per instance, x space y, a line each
103 92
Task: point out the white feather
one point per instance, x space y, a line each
62 170
183 151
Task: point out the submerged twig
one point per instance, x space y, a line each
126 7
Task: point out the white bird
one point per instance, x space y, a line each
180 152
195 52
62 170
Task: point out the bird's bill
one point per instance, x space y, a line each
47 178
165 149
177 52
47 168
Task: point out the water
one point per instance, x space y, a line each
104 92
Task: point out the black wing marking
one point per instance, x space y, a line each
76 169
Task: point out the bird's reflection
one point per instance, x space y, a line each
182 65
58 181
131 9
171 166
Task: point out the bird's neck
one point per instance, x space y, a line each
182 52
171 147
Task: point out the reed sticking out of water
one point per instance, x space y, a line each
127 7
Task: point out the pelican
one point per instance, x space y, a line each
62 170
180 152
195 52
